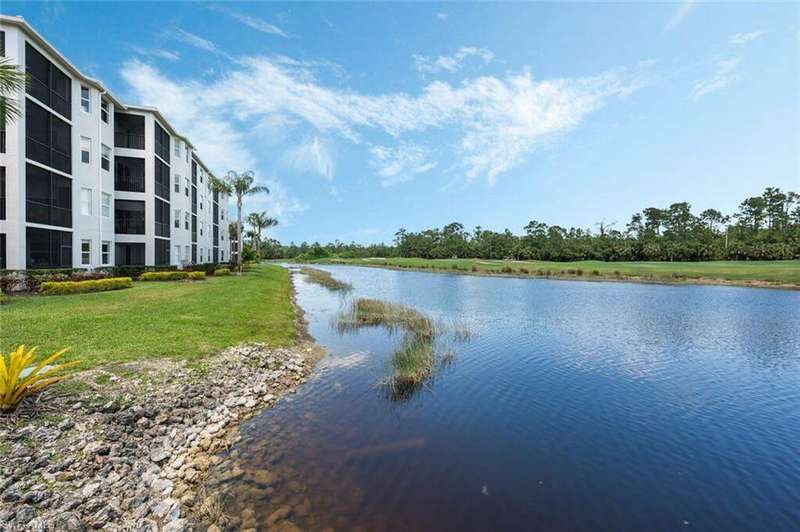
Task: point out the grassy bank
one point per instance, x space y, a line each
753 273
168 319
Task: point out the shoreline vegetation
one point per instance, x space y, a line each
415 361
323 278
757 274
167 373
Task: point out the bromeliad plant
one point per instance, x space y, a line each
14 386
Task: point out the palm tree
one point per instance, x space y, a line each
260 221
239 185
12 81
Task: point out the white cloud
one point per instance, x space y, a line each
442 16
726 73
452 63
279 203
679 14
498 122
400 164
160 53
255 23
312 155
195 40
744 38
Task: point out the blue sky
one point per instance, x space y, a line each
363 118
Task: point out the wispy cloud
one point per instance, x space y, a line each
312 155
442 16
497 122
744 38
250 21
451 63
160 53
725 74
195 40
679 14
400 164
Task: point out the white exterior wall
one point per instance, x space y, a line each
95 227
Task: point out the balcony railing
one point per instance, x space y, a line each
124 139
129 222
42 153
129 183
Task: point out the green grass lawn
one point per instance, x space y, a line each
155 319
787 271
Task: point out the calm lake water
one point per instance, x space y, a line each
574 406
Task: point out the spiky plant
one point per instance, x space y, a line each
12 81
14 387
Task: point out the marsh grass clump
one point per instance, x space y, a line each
524 270
323 278
507 269
596 273
474 268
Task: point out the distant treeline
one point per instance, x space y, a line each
765 227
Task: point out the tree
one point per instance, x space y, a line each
711 217
240 186
12 81
260 221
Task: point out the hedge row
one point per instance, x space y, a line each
222 271
82 287
172 276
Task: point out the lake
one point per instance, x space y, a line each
571 406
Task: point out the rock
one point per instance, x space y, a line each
278 515
146 525
38 524
68 522
34 497
178 525
158 455
25 514
89 490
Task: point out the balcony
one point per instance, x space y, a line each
123 139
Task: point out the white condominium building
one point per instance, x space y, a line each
87 181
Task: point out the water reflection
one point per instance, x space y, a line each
576 405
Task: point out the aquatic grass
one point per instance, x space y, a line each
323 278
393 317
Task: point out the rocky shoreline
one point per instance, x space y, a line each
127 447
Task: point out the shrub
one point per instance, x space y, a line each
165 276
507 269
222 271
474 268
596 272
31 280
578 272
454 266
14 387
541 272
197 276
524 270
82 287
570 271
617 273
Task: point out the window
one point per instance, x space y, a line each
178 147
177 218
105 206
128 254
129 174
128 131
48 139
162 218
105 157
104 111
129 218
86 201
186 153
105 252
178 253
162 251
161 179
201 228
186 253
222 255
47 83
86 150
48 249
86 252
2 192
177 184
162 143
186 220
86 100
187 186
48 197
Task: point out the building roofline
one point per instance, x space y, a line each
41 41
16 20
